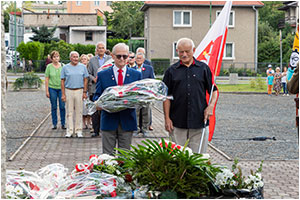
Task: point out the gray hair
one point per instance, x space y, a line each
141 48
101 43
139 53
120 45
73 52
185 41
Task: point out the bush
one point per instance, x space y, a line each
160 65
84 49
62 47
112 42
252 83
134 44
32 51
28 78
260 82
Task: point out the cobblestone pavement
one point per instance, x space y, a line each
48 146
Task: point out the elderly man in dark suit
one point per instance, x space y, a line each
117 126
95 63
143 114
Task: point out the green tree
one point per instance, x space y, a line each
127 19
7 7
268 34
43 34
270 13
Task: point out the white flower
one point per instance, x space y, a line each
247 181
106 157
205 156
18 190
258 175
260 184
255 185
118 172
111 162
232 182
9 188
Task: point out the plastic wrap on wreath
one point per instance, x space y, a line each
93 184
138 93
22 184
89 106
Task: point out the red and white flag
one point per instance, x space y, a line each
210 51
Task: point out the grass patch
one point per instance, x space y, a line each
241 88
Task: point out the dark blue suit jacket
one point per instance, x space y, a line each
127 118
147 71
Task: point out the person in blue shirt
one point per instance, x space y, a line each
270 79
143 113
74 79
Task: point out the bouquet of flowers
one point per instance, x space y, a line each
232 182
41 184
138 93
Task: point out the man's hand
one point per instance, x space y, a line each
98 108
95 80
208 112
63 98
47 94
169 125
84 96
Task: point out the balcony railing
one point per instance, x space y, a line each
289 20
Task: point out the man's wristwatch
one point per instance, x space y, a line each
84 91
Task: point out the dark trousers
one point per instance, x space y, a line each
96 117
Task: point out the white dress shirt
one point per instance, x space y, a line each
116 73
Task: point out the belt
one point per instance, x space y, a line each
74 88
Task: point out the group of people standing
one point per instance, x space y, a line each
278 80
80 77
186 115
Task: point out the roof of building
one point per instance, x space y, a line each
288 4
148 4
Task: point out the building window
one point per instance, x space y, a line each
97 3
175 54
229 51
182 18
88 36
108 3
78 3
231 18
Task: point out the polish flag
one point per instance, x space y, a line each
210 51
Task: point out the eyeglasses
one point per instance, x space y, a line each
131 57
124 56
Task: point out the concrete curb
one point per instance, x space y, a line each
24 143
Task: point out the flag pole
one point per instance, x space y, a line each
205 123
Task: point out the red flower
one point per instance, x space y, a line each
143 69
128 178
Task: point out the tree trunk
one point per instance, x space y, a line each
3 109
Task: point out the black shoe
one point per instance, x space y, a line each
63 127
54 127
95 134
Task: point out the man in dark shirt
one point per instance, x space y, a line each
188 80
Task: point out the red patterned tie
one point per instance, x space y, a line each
120 77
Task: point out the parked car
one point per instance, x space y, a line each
9 61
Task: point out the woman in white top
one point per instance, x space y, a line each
283 81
